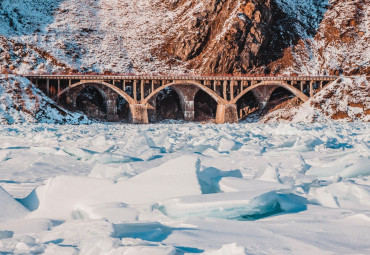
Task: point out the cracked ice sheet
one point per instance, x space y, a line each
307 182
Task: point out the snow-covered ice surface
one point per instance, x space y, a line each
185 189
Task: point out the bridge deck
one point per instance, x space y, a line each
220 78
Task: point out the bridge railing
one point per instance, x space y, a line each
176 77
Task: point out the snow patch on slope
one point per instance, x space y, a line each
22 102
305 14
106 35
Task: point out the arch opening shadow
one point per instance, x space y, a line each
92 103
62 100
168 105
280 95
247 105
123 109
205 106
281 98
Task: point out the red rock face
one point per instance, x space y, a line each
222 36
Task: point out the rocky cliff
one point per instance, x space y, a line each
239 36
272 36
221 36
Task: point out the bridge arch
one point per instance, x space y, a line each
282 84
96 83
210 92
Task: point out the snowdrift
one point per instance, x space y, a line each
234 206
65 197
22 102
9 207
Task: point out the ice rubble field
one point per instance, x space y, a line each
185 189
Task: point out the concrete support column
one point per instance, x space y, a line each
263 93
224 84
134 91
231 90
311 89
139 114
187 95
48 87
58 86
189 112
142 90
226 113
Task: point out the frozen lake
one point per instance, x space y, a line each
185 188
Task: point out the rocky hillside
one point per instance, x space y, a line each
340 45
22 102
185 36
345 100
239 36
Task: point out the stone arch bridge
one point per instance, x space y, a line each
140 91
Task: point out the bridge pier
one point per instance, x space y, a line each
226 113
187 95
151 106
139 114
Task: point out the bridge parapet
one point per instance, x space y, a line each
209 78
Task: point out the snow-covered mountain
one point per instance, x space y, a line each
279 36
46 36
